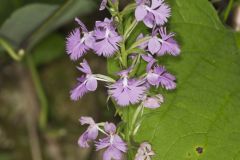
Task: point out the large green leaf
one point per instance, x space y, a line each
204 110
200 120
31 23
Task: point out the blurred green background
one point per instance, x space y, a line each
38 121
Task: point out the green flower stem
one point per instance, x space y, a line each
228 10
124 55
135 117
128 9
130 29
139 42
16 56
40 92
135 65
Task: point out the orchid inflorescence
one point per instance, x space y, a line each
109 39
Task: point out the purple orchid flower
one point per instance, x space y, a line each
152 12
86 83
107 39
144 152
115 146
163 45
153 102
79 43
169 45
159 76
127 91
151 61
90 134
104 4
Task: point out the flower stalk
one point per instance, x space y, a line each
110 38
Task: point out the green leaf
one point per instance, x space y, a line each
203 112
24 21
29 24
49 49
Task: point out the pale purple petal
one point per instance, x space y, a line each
110 128
78 91
102 143
161 12
169 45
153 102
154 45
153 78
114 144
127 92
86 120
90 134
119 143
84 67
112 153
140 13
106 47
91 83
82 25
152 12
89 39
166 80
144 152
149 20
75 47
151 61
106 38
103 5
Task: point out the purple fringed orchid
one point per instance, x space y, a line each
107 39
90 134
152 12
79 42
163 45
144 152
159 76
153 102
115 146
127 91
86 83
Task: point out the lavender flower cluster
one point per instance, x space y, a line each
108 40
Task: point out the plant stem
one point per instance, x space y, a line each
40 92
228 10
135 117
11 51
130 29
